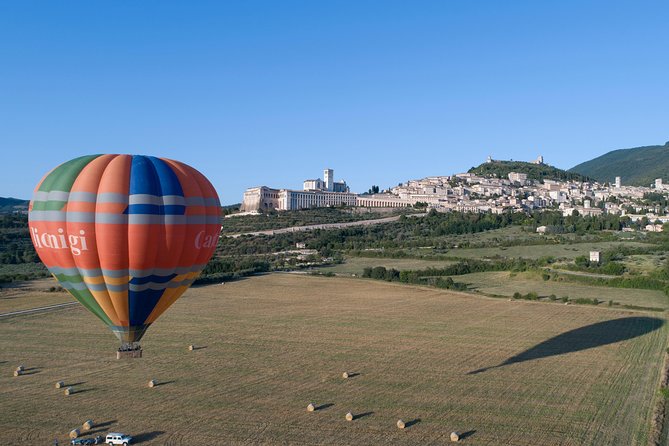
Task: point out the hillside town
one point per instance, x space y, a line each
469 192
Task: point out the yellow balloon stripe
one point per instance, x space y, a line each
169 297
104 300
120 301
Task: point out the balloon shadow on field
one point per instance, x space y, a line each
147 436
584 338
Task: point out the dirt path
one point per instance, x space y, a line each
37 310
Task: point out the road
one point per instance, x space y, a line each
37 310
325 226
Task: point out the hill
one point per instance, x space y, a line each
638 166
502 169
8 205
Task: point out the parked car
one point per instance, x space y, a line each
87 441
118 438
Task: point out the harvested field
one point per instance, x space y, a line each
355 265
499 372
504 283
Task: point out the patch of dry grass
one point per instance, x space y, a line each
274 343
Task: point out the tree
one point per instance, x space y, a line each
374 190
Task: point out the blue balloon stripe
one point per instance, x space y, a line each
152 278
141 304
154 209
168 180
143 177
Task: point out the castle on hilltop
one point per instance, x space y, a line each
539 160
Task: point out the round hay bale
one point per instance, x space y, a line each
345 375
311 407
18 372
69 391
455 436
20 368
74 433
401 424
60 384
349 416
88 425
153 383
191 347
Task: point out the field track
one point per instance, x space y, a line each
38 309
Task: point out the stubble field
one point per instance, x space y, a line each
517 373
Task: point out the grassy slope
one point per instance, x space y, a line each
637 166
276 342
355 265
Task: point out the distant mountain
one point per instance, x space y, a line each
636 167
8 205
501 169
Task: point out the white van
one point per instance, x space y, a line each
118 438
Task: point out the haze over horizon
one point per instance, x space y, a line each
265 93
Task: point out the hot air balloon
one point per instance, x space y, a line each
126 235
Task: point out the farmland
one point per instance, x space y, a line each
569 251
355 265
505 283
522 373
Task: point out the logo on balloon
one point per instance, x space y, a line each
205 241
75 243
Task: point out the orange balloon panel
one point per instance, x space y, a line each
125 234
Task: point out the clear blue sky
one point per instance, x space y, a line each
254 92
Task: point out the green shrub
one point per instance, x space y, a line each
585 301
532 296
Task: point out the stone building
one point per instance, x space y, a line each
260 198
314 193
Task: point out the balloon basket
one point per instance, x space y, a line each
133 351
124 355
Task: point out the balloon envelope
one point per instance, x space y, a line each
125 234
